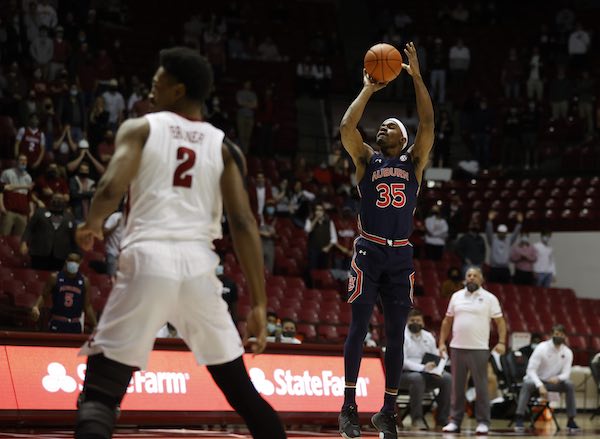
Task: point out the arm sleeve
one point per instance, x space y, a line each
495 310
565 373
413 365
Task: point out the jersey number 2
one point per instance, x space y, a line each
182 177
391 194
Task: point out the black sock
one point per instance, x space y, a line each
389 402
349 396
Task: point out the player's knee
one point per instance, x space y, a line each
95 420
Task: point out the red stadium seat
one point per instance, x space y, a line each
328 333
322 279
576 342
329 295
312 304
308 316
329 306
288 313
274 303
292 302
277 281
295 282
574 192
275 291
312 294
345 316
331 317
307 330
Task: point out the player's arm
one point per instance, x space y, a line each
123 167
246 240
425 131
87 306
351 137
35 310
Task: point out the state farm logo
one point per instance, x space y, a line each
284 382
57 379
141 381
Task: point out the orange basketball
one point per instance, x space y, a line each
383 62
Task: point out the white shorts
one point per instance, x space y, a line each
160 282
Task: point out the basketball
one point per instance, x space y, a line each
383 62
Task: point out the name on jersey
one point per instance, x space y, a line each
190 136
70 289
390 172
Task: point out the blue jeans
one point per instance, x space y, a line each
543 279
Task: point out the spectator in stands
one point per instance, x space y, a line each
438 71
106 148
14 200
322 236
42 50
247 103
511 75
261 194
64 148
46 15
280 197
347 230
544 267
268 51
482 129
585 90
512 153
28 107
70 293
114 104
266 122
82 189
536 339
98 121
418 377
454 214
30 23
71 111
530 126
235 46
500 244
301 170
85 155
549 369
104 72
535 80
214 50
50 183
460 14
559 94
39 86
299 207
469 313
288 333
322 74
322 174
371 337
273 324
268 234
31 143
436 234
113 233
454 282
579 46
304 77
471 247
459 59
523 255
49 236
60 54
16 86
444 131
229 292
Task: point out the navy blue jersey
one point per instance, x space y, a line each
388 193
68 295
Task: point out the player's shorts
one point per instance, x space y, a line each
160 282
381 270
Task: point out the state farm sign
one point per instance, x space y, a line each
48 378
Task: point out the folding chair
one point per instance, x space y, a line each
514 365
403 404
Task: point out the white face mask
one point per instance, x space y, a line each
72 267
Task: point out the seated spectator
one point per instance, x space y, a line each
42 50
50 183
144 105
500 244
549 369
418 377
288 333
300 204
273 324
14 200
523 255
280 198
31 142
322 236
347 230
49 236
545 266
454 282
436 234
29 106
268 234
536 339
370 341
260 195
106 148
82 189
113 233
69 290
115 104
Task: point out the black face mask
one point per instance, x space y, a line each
57 208
290 334
455 277
84 174
415 328
472 286
558 340
52 174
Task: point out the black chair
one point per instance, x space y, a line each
403 404
514 365
595 367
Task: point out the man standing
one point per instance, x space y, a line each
31 142
382 265
524 256
471 247
469 313
500 245
418 377
437 233
14 200
544 267
549 369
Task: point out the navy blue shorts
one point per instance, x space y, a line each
65 327
381 270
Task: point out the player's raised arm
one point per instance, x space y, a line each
123 167
425 131
351 138
246 240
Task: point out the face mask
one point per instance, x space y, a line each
57 208
84 174
73 92
558 340
288 334
534 345
472 286
270 210
415 328
52 174
455 277
219 270
22 168
525 240
271 328
545 239
72 267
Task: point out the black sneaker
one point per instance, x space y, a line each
349 424
385 423
572 426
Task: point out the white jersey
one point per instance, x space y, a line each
176 195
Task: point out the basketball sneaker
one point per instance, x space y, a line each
385 423
349 423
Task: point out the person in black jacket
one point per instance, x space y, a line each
49 236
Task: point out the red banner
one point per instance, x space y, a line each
50 378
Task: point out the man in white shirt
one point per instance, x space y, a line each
544 267
418 377
114 104
549 369
469 313
288 333
579 45
459 59
437 233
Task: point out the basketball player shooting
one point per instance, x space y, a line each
382 263
178 172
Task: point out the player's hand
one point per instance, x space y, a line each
413 62
429 366
35 313
520 217
370 83
500 348
256 326
443 350
543 391
85 234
